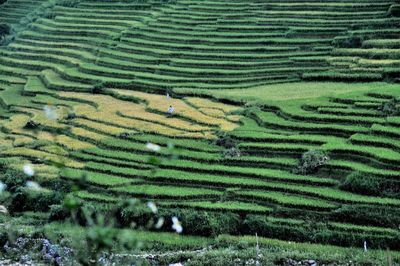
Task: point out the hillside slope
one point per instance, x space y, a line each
205 44
98 64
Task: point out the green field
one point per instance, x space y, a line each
255 85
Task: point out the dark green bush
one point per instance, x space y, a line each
224 223
362 184
58 213
357 182
131 213
125 135
209 223
259 224
31 125
204 223
241 245
390 188
71 115
33 200
4 29
79 214
13 179
367 215
389 108
58 185
316 233
3 238
225 140
229 143
98 88
196 223
349 42
394 10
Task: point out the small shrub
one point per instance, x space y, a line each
195 222
241 245
311 161
259 224
224 223
367 215
4 238
350 42
362 184
389 108
225 140
205 223
390 188
357 182
98 88
4 29
60 185
31 125
30 200
124 135
58 213
232 152
71 115
132 214
13 179
229 143
229 194
394 10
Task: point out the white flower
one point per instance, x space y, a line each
153 147
50 112
152 206
159 223
2 186
33 185
176 225
28 170
176 264
3 209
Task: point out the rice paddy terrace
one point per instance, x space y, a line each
105 67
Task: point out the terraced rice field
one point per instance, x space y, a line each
215 58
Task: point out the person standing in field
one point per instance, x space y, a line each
170 110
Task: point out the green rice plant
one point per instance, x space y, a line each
385 130
96 178
272 120
96 197
235 206
295 112
154 191
364 168
383 155
289 200
377 141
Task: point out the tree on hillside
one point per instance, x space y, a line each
311 161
